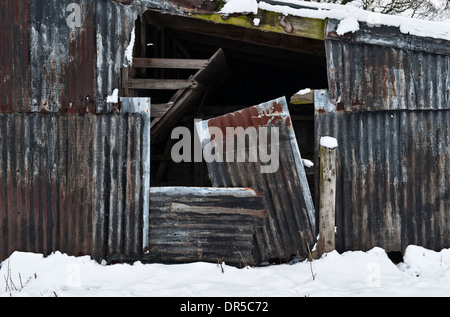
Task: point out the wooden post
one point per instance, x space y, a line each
124 82
327 196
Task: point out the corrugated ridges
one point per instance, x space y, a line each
61 58
14 59
114 23
374 76
71 183
389 108
393 178
291 223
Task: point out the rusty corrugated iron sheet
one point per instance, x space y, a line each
114 25
72 183
50 67
379 68
291 224
389 108
14 59
62 58
141 106
393 178
204 224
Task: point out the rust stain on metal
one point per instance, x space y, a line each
291 222
48 67
199 5
271 114
379 69
71 183
14 88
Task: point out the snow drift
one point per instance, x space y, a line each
422 273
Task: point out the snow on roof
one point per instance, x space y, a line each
348 14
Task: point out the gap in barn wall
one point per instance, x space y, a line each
257 72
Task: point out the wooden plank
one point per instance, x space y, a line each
170 63
212 75
124 82
191 224
327 192
290 204
158 110
161 84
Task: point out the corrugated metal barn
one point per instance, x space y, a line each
77 165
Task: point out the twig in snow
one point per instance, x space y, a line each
219 262
310 260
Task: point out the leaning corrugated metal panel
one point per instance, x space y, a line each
389 108
291 223
114 24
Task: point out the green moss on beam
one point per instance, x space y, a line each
272 22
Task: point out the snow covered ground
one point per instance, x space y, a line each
364 274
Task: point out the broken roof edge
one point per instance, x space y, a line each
270 21
263 20
383 35
325 11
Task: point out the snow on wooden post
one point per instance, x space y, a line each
327 193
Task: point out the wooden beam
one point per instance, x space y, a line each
170 63
307 36
124 77
297 56
191 224
272 22
159 110
327 192
212 75
161 84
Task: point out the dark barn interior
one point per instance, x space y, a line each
259 66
